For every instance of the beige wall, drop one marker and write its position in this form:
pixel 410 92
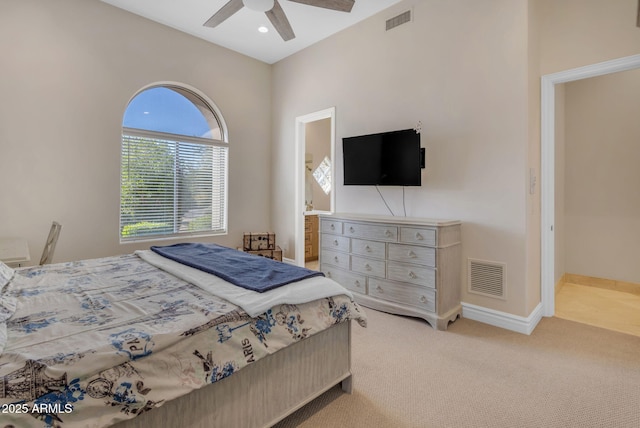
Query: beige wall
pixel 532 166
pixel 69 68
pixel 559 184
pixel 469 90
pixel 575 33
pixel 567 34
pixel 602 176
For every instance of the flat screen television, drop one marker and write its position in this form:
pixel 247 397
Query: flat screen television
pixel 384 159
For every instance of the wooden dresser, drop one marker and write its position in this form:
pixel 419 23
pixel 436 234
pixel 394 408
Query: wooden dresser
pixel 310 237
pixel 400 265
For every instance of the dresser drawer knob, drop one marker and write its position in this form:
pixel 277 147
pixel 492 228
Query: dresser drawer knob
pixel 411 254
pixel 336 259
pixel 332 227
pixel 423 299
pixel 335 242
pixel 328 274
pixel 357 283
pixel 351 229
pixel 367 266
pixel 388 233
pixel 379 289
pixel 419 236
pixel 367 248
pixel 412 275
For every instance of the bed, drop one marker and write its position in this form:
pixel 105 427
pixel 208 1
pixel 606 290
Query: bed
pixel 140 340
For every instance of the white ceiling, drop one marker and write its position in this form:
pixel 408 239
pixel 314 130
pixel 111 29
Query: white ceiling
pixel 240 31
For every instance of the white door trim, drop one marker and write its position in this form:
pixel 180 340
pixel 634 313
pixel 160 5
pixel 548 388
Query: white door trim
pixel 547 167
pixel 301 121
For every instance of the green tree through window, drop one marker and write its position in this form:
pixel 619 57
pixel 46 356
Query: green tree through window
pixel 174 166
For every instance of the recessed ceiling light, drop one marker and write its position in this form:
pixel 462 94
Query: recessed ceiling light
pixel 263 29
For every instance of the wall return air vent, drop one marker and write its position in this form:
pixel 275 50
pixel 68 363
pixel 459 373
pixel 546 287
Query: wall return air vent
pixel 403 18
pixel 487 278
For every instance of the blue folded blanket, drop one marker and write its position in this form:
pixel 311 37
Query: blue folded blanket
pixel 242 269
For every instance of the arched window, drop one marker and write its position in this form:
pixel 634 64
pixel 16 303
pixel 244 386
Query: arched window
pixel 173 180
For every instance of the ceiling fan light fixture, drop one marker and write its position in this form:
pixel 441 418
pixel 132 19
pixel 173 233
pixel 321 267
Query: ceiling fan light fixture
pixel 274 12
pixel 259 5
pixel 263 29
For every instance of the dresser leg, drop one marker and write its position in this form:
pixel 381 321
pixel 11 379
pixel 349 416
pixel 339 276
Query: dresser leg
pixel 443 322
pixel 347 384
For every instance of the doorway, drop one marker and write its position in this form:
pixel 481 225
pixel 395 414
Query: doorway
pixel 549 275
pixel 315 172
pixel 597 205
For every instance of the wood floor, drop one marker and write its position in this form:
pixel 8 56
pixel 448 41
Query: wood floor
pixel 313 265
pixel 599 306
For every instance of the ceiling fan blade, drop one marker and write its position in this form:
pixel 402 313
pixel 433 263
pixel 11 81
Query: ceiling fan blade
pixel 280 22
pixel 340 5
pixel 225 12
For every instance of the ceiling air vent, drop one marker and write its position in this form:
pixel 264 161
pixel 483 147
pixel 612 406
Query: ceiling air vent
pixel 403 18
pixel 487 278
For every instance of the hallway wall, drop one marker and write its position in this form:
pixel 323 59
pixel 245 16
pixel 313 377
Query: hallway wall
pixel 602 200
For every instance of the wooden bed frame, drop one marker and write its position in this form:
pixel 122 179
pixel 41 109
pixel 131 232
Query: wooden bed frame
pixel 264 392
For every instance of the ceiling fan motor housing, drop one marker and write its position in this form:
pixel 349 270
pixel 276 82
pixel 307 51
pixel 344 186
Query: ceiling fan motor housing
pixel 274 12
pixel 259 5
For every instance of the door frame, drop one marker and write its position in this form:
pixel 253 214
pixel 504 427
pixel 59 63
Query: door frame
pixel 301 121
pixel 547 163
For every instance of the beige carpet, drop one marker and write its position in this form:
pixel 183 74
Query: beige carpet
pixel 474 375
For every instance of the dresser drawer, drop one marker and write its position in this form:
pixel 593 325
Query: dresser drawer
pixel 368 266
pixel 420 236
pixel 349 280
pixel 334 242
pixel 378 232
pixel 420 297
pixel 411 273
pixel 335 258
pixel 331 226
pixel 368 248
pixel 412 254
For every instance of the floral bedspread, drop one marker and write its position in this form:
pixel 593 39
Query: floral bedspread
pixel 94 342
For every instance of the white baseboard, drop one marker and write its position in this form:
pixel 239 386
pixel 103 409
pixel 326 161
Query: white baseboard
pixel 289 261
pixel 524 325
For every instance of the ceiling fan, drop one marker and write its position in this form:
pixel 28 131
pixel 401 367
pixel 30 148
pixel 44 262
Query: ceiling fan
pixel 274 12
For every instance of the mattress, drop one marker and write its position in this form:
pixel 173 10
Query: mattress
pixel 94 342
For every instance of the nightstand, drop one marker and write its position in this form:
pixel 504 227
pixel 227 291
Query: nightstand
pixel 14 251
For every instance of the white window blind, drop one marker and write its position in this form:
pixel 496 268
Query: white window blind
pixel 172 185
